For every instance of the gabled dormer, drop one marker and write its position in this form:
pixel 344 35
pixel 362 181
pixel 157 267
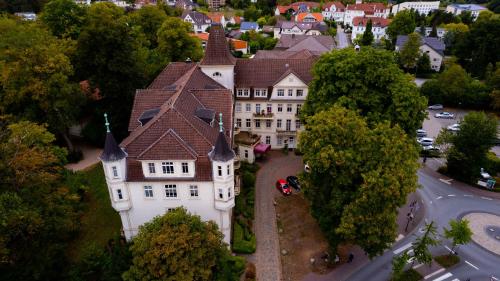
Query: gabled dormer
pixel 289 87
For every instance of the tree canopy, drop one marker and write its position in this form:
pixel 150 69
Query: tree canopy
pixel 175 43
pixel 176 246
pixel 370 82
pixel 469 146
pixel 357 172
pixel 410 53
pixel 459 232
pixel 402 24
pixel 64 18
pixel 367 37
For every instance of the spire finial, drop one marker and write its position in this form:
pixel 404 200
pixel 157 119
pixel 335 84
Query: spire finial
pixel 107 123
pixel 220 123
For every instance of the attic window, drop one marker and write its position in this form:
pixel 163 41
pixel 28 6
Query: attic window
pixel 217 74
pixel 147 115
pixel 205 114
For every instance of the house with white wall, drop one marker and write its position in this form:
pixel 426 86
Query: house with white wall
pixel 299 28
pixel 431 46
pixel 422 7
pixel 457 9
pixel 379 27
pixel 334 10
pixel 199 21
pixel 375 10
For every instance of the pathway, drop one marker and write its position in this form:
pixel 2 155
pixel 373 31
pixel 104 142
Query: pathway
pixel 267 257
pixel 342 41
pixel 90 157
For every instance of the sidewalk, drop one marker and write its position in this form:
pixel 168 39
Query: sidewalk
pixel 343 272
pixel 90 157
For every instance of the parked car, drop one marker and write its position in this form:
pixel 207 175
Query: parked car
pixel 283 187
pixel 425 141
pixel 454 128
pixel 445 115
pixel 421 133
pixel 430 148
pixel 435 107
pixel 293 181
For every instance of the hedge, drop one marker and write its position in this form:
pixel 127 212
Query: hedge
pixel 447 260
pixel 240 245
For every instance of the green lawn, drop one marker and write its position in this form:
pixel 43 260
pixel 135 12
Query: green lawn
pixel 99 222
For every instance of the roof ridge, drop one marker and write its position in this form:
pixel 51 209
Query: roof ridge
pixel 192 126
pixel 172 132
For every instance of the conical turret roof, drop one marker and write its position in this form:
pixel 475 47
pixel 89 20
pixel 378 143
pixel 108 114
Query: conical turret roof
pixel 217 51
pixel 222 152
pixel 112 152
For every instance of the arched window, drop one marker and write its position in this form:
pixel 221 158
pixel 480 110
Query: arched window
pixel 217 74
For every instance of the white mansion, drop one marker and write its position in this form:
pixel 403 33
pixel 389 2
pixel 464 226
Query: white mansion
pixel 180 148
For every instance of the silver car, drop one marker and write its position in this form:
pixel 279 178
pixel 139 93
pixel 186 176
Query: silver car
pixel 435 107
pixel 445 115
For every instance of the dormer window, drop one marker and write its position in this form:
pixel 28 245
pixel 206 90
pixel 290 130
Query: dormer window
pixel 151 167
pixel 260 93
pixel 243 93
pixel 217 74
pixel 168 167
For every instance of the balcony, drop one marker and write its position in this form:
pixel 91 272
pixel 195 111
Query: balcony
pixel 263 115
pixel 286 132
pixel 237 184
pixel 237 162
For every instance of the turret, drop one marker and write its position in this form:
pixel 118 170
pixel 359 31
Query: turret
pixel 114 160
pixel 222 157
pixel 218 62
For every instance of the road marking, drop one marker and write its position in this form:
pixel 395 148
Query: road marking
pixel 443 277
pixel 439 197
pixel 400 250
pixel 400 236
pixel 418 265
pixel 451 195
pixel 430 202
pixel 486 198
pixel 468 195
pixel 447 248
pixel 494 278
pixel 434 273
pixel 446 181
pixel 472 265
pixel 456 279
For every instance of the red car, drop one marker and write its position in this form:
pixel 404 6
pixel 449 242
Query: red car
pixel 283 187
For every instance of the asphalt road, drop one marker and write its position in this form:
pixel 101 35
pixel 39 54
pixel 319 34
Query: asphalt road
pixel 443 201
pixel 342 41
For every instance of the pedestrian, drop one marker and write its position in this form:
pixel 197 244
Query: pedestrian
pixel 425 158
pixel 351 257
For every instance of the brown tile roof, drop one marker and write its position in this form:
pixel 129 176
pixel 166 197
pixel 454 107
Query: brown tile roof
pixel 338 5
pixel 175 132
pixel 376 22
pixel 262 73
pixel 316 16
pixel 279 54
pixel 217 51
pixel 320 43
pixel 368 8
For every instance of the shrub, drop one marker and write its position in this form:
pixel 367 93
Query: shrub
pixel 230 269
pixel 248 180
pixel 447 260
pixel 493 163
pixel 250 273
pixel 409 275
pixel 240 245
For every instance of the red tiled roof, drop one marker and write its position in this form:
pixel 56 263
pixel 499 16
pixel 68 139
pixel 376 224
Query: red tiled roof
pixel 368 8
pixel 239 44
pixel 201 36
pixel 215 17
pixel 283 9
pixel 263 73
pixel 376 22
pixel 217 50
pixel 338 5
pixel 175 132
pixel 316 16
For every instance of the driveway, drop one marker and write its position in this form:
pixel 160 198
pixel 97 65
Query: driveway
pixel 342 41
pixel 276 165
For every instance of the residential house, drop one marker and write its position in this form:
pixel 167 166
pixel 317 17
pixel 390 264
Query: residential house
pixel 422 7
pixel 246 26
pixel 217 18
pixel 440 31
pixel 235 20
pixel 179 151
pixel 457 9
pixel 299 28
pixel 432 46
pixel 379 27
pixel 216 4
pixel 309 17
pixel 334 10
pixel 313 43
pixel 183 4
pixel 296 7
pixel 199 21
pixel 236 45
pixel 376 10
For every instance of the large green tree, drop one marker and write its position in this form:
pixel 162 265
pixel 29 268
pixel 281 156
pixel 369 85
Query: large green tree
pixel 410 53
pixel 469 146
pixel 177 246
pixel 421 245
pixel 148 20
pixel 402 24
pixel 37 212
pixel 175 43
pixel 64 18
pixel 359 177
pixel 109 56
pixel 35 77
pixel 478 47
pixel 369 81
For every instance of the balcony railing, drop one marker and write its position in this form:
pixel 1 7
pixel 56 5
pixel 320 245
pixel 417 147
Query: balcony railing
pixel 263 115
pixel 286 132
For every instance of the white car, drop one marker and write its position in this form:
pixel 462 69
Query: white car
pixel 454 128
pixel 435 107
pixel 421 133
pixel 425 141
pixel 445 115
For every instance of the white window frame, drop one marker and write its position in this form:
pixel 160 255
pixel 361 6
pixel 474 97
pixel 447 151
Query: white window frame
pixel 114 170
pixel 148 191
pixel 278 123
pixel 289 107
pixel 194 191
pixel 281 92
pixel 257 123
pixel 219 171
pixel 238 122
pixel 243 92
pixel 268 139
pixel 119 194
pixel 171 191
pixel 280 107
pixel 237 107
pixel 248 123
pixel 248 107
pixel 167 168
pixel 290 92
pixel 260 93
pixel 152 168
pixel 221 193
pixel 299 92
pixel 185 167
pixel 269 123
